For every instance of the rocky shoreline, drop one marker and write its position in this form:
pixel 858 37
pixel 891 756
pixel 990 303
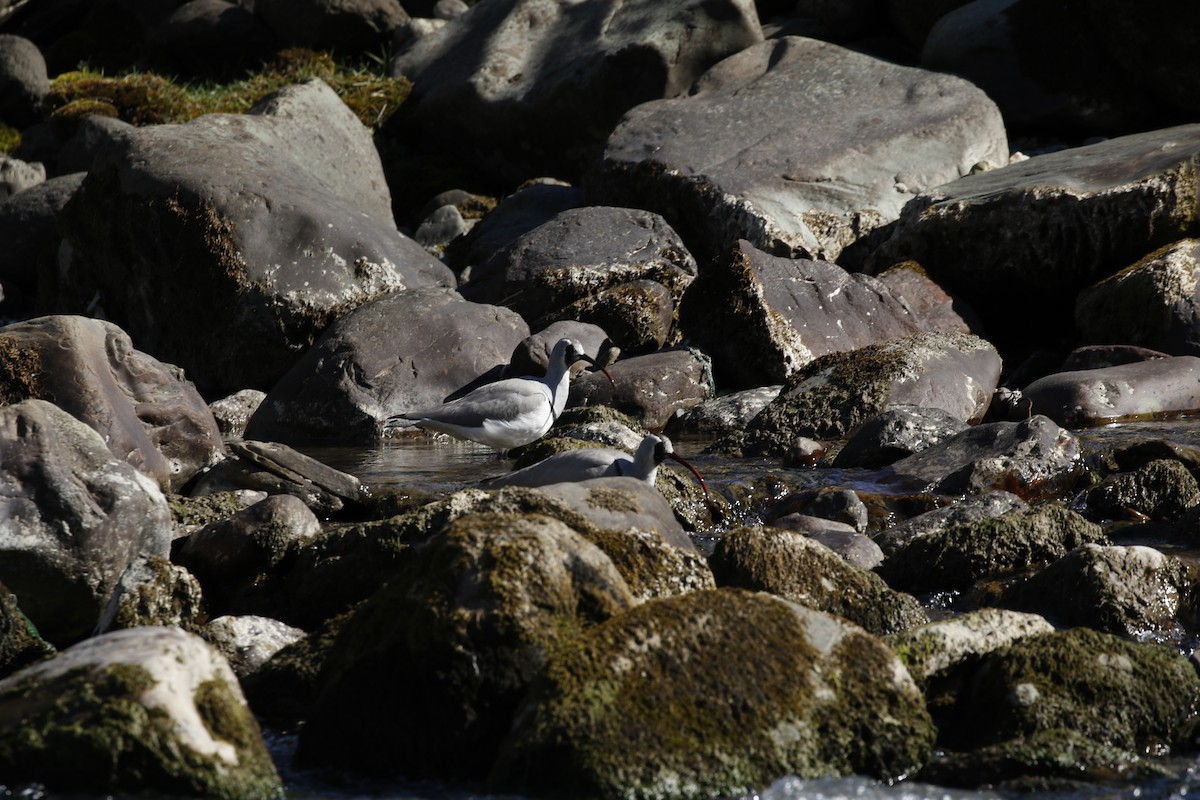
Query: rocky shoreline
pixel 803 230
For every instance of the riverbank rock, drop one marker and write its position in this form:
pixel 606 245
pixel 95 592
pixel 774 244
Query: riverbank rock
pixel 1033 234
pixel 617 714
pixel 1034 459
pixel 142 710
pixel 971 508
pixel 24 82
pixel 1140 390
pixel 762 317
pixel 958 556
pixel 518 68
pixel 724 414
pixel 1128 591
pixel 29 229
pixel 726 161
pixel 835 394
pixel 400 352
pixel 451 645
pixel 1162 287
pixel 1162 490
pixel 897 433
pixel 150 415
pixel 564 268
pixel 232 272
pixel 651 388
pixel 73 521
pixel 20 643
pixel 1111 691
pixel 793 566
pixel 248 642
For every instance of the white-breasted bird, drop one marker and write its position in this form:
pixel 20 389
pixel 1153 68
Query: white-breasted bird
pixel 509 412
pixel 598 462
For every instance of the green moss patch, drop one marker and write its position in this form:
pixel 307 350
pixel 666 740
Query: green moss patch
pixel 20 373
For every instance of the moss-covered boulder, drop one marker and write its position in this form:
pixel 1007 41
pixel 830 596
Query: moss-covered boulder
pixel 1161 490
pixel 140 710
pixel 1130 591
pixel 833 395
pixel 20 643
pixel 424 678
pixel 1115 692
pixel 958 556
pixel 794 566
pixel 711 694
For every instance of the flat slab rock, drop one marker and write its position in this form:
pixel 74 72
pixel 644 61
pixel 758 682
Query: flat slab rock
pixel 798 146
pixel 1143 389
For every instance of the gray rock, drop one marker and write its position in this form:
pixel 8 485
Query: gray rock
pixel 147 412
pixel 23 80
pixel 956 557
pixel 726 161
pixel 452 644
pixel 938 648
pixel 650 388
pixel 532 205
pixel 1034 459
pixel 638 315
pixel 575 256
pixel 518 68
pixel 897 433
pixel 834 395
pixel 971 508
pixel 934 308
pixel 210 38
pixel 73 521
pixel 762 317
pixel 1129 591
pixel 119 684
pixel 1162 490
pixel 16 176
pixel 276 468
pixel 1154 303
pixel 643 735
pixel 828 502
pixel 233 412
pixel 400 352
pixel 153 591
pixel 1042 65
pixel 228 243
pixel 349 27
pixel 441 227
pixel 1095 356
pixel 236 559
pixel 1033 234
pixel 248 642
pixel 1138 390
pixel 29 230
pixel 724 414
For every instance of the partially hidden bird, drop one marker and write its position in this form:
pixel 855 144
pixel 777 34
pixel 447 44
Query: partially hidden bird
pixel 510 412
pixel 598 462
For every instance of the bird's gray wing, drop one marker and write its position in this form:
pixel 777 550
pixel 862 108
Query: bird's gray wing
pixel 500 400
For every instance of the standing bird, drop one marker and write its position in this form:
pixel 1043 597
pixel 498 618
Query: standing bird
pixel 510 412
pixel 598 462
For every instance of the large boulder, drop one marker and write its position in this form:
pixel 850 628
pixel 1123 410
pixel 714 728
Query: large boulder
pixel 762 317
pixel 401 352
pixel 448 649
pixel 714 693
pixel 835 394
pixel 145 710
pixel 228 243
pixel 651 388
pixel 727 161
pixel 72 518
pixel 1138 390
pixel 149 414
pixel 29 229
pixel 1030 236
pixel 543 83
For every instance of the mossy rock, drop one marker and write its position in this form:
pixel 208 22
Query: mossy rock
pixel 1161 490
pixel 712 694
pixel 199 511
pixel 960 555
pixel 21 376
pixel 797 568
pixel 143 710
pixel 1117 693
pixel 424 677
pixel 20 643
